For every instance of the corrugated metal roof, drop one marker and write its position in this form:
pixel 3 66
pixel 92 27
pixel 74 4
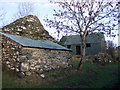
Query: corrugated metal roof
pixel 91 38
pixel 35 43
pixel 74 39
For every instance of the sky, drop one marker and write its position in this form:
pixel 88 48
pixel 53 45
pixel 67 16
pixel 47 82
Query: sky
pixel 42 9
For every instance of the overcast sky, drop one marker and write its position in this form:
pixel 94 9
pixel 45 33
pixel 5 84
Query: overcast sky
pixel 43 8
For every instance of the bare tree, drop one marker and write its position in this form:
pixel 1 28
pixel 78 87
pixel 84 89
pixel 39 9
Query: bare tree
pixel 110 48
pixel 24 9
pixel 84 17
pixel 2 16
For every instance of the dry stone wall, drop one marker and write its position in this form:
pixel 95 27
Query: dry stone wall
pixel 39 60
pixel 10 54
pixel 30 27
pixel 27 61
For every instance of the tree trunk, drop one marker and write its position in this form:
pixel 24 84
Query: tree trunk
pixel 83 56
pixel 80 65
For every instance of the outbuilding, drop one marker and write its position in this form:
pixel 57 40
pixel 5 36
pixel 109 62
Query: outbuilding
pixel 95 43
pixel 29 56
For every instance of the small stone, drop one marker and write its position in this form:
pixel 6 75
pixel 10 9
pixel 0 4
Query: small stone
pixel 9 66
pixel 32 65
pixel 42 75
pixel 24 27
pixel 17 70
pixel 12 68
pixel 24 66
pixel 28 73
pixel 37 66
pixel 44 61
pixel 41 70
pixel 45 66
pixel 19 29
pixel 21 74
pixel 39 61
pixel 63 62
pixel 32 68
pixel 7 62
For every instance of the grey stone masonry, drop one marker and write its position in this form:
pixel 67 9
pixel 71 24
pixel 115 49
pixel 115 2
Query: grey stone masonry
pixel 30 27
pixel 28 60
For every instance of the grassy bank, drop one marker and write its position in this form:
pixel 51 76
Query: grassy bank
pixel 92 76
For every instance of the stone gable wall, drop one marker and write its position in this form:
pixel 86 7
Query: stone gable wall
pixel 30 27
pixel 27 61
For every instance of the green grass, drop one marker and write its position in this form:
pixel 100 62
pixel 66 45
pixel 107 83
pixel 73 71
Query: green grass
pixel 91 76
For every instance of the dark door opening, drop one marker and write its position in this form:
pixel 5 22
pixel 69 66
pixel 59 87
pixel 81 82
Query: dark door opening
pixel 69 46
pixel 88 45
pixel 78 50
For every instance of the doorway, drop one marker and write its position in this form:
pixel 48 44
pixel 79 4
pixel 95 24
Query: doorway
pixel 78 50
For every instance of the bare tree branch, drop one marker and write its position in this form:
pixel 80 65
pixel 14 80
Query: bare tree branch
pixel 24 9
pixel 84 17
pixel 2 16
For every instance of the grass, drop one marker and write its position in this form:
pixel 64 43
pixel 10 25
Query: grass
pixel 91 76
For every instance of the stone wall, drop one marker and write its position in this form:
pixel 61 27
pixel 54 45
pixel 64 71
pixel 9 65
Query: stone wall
pixel 27 61
pixel 10 54
pixel 38 60
pixel 30 27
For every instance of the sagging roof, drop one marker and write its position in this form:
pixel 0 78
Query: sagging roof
pixel 46 44
pixel 75 39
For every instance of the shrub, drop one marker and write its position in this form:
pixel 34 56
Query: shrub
pixel 102 58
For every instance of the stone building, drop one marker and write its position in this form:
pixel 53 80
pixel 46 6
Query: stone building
pixel 27 56
pixel 95 43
